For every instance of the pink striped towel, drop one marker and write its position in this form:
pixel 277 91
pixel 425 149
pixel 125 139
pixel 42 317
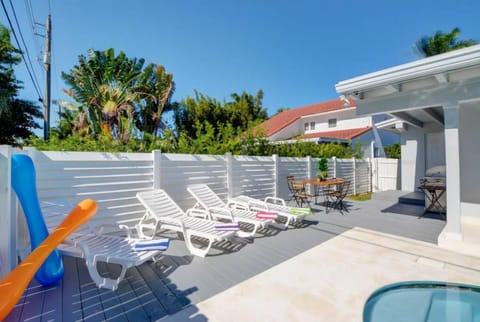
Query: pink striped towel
pixel 267 215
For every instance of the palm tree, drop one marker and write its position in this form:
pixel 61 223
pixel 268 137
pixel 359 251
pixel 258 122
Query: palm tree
pixel 442 43
pixel 115 102
pixel 116 94
pixel 156 88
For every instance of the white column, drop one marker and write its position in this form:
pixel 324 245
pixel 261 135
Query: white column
pixel 453 229
pixel 229 165
pixel 276 179
pixel 157 157
pixel 8 227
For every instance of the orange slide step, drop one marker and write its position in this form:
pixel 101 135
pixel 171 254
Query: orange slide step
pixel 13 285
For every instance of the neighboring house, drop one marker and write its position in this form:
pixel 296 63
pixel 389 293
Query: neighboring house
pixel 436 102
pixel 331 121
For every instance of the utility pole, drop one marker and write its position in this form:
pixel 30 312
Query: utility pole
pixel 46 64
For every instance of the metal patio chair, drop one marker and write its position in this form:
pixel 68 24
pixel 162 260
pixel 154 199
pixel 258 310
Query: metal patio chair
pixel 336 197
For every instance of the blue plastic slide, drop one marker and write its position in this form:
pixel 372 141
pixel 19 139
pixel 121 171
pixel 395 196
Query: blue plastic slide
pixel 24 184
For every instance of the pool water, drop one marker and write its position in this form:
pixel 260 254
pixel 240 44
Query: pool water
pixel 424 301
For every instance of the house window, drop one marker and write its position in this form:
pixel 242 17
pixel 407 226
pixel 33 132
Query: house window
pixel 306 127
pixel 332 122
pixel 312 125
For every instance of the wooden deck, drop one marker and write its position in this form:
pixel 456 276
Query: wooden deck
pixel 156 290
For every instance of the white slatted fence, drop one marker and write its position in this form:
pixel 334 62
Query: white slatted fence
pixel 113 179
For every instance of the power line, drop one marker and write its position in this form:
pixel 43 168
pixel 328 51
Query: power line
pixel 28 6
pixel 29 10
pixel 23 41
pixel 21 52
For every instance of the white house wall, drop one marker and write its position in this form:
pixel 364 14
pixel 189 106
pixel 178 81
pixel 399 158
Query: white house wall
pixel 413 158
pixel 413 149
pixel 469 119
pixel 296 128
pixel 345 120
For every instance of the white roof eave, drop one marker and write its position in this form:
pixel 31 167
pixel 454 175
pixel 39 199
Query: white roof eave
pixel 454 60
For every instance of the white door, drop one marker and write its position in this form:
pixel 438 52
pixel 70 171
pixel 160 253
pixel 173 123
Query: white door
pixel 435 149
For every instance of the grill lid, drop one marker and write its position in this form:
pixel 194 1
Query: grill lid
pixel 438 171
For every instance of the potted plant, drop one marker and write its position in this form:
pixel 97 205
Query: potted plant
pixel 322 168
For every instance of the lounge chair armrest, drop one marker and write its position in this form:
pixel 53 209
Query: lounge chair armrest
pixel 232 203
pixel 255 203
pixel 198 213
pixel 219 210
pixel 275 200
pixel 128 230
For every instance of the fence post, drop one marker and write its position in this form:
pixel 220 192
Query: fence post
pixel 157 157
pixel 309 166
pixel 229 165
pixel 373 175
pixel 334 160
pixel 276 171
pixel 354 166
pixel 8 227
pixel 309 170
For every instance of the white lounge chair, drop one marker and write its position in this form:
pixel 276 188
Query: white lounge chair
pixel 218 210
pixel 164 213
pixel 95 247
pixel 108 249
pixel 292 215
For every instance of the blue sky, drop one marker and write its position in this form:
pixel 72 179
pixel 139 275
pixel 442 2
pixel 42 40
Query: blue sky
pixel 295 51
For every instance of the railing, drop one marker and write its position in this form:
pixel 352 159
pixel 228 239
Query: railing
pixel 113 179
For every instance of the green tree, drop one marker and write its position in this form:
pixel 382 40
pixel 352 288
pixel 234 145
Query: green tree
pixel 156 87
pixel 115 96
pixel 442 42
pixel 246 110
pixel 241 113
pixel 9 57
pixel 17 116
pixel 393 151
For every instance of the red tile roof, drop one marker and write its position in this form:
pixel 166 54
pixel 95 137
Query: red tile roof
pixel 339 134
pixel 283 119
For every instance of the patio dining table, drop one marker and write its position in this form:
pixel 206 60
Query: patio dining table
pixel 320 187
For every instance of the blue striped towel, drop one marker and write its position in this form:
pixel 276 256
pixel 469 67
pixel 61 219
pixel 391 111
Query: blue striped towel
pixel 152 244
pixel 227 226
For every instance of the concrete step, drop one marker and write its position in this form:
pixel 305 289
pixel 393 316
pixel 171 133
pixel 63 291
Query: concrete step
pixel 470 240
pixel 390 195
pixel 413 198
pixel 470 229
